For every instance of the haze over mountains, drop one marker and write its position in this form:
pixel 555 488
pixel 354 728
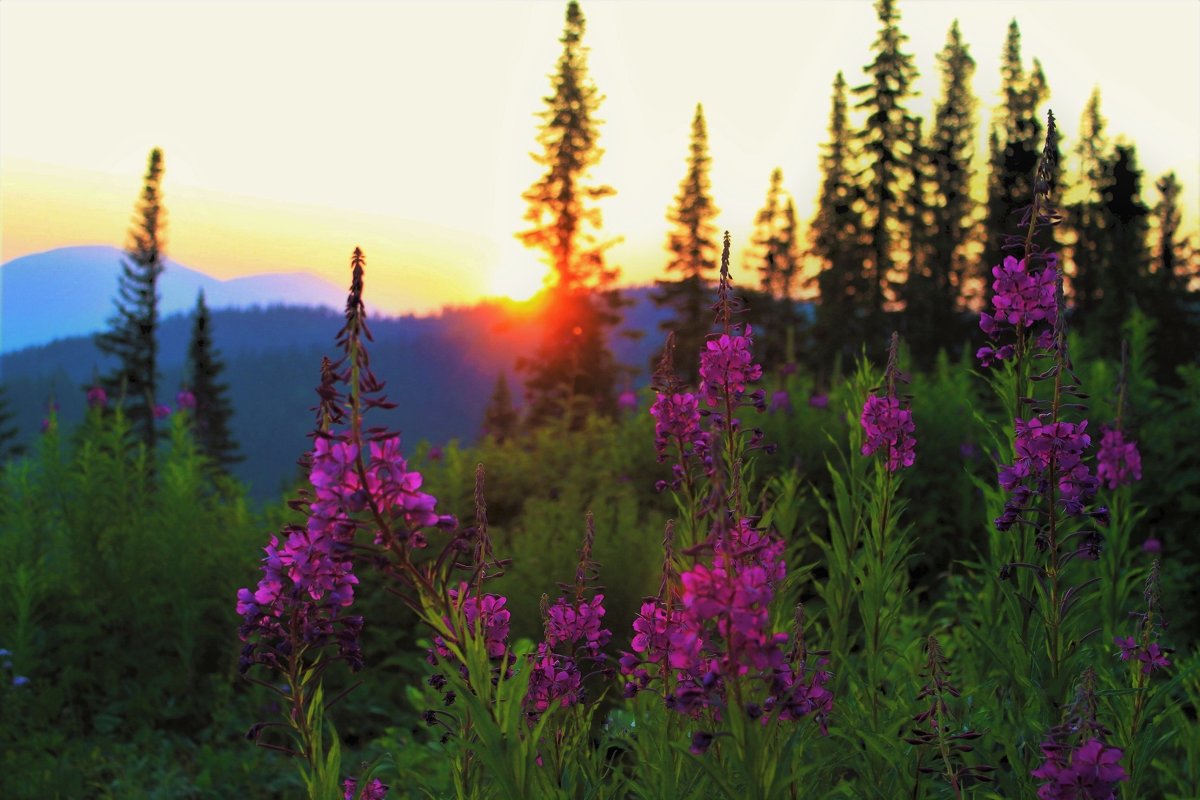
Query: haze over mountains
pixel 69 291
pixel 440 369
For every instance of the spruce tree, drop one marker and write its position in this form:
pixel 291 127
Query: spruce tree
pixel 133 329
pixel 886 147
pixel 1015 147
pixel 942 239
pixel 1086 213
pixel 1171 302
pixel 8 433
pixel 772 252
pixel 773 255
pixel 836 239
pixel 573 372
pixel 1124 279
pixel 213 409
pixel 500 418
pixel 692 244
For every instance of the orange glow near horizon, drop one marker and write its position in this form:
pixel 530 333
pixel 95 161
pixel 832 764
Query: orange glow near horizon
pixel 398 128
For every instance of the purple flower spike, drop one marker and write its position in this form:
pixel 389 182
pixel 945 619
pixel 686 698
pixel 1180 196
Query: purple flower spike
pixel 889 425
pixel 1118 463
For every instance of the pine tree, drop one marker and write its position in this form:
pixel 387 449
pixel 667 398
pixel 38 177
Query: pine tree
pixel 692 244
pixel 773 255
pixel 1172 302
pixel 500 418
pixel 8 434
pixel 886 146
pixel 948 221
pixel 773 244
pixel 1170 250
pixel 1124 279
pixel 573 372
pixel 836 239
pixel 131 337
pixel 1086 214
pixel 213 410
pixel 1015 147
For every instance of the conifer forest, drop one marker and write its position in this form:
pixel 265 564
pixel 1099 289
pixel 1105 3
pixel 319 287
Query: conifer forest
pixel 901 503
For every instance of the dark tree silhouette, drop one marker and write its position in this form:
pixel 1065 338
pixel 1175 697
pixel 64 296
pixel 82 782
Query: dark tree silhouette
pixel 1173 301
pixel 131 337
pixel 947 214
pixel 1015 146
pixel 692 244
pixel 500 418
pixel 836 240
pixel 213 411
pixel 887 145
pixel 1087 217
pixel 8 433
pixel 574 371
pixel 773 255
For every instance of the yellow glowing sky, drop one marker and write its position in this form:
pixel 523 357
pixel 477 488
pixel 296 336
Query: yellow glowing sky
pixel 294 131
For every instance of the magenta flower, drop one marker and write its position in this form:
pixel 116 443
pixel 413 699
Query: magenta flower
pixel 162 411
pixel 97 397
pixel 375 790
pixel 819 401
pixel 726 366
pixel 1021 298
pixel 627 401
pixel 887 424
pixel 1090 772
pixel 1152 545
pixel 677 427
pixel 1118 462
pixel 185 399
pixel 1040 444
pixel 781 401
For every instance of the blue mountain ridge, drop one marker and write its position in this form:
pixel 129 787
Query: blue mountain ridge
pixel 68 292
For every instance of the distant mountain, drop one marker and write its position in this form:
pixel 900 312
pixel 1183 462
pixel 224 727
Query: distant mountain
pixel 69 292
pixel 440 371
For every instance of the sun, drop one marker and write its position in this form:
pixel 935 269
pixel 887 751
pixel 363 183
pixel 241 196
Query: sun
pixel 518 278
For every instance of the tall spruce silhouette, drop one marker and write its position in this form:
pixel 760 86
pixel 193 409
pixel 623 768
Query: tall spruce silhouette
pixel 8 432
pixel 1086 212
pixel 693 248
pixel 947 221
pixel 1171 301
pixel 1015 145
pixel 836 240
pixel 1124 279
pixel 887 147
pixel 573 372
pixel 213 410
pixel 132 333
pixel 773 254
pixel 500 418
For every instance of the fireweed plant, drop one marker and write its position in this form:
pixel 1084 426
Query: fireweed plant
pixel 705 658
pixel 717 688
pixel 1049 529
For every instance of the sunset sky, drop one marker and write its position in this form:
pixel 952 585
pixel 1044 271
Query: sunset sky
pixel 293 132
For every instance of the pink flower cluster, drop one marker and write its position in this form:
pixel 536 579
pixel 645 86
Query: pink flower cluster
pixel 375 790
pixel 1021 298
pixel 1040 444
pixel 1118 462
pixel 720 630
pixel 677 420
pixel 1152 656
pixel 309 576
pixel 573 636
pixel 887 424
pixel 726 366
pixel 1089 772
pixel 487 611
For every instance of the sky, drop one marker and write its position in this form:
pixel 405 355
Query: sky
pixel 295 131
